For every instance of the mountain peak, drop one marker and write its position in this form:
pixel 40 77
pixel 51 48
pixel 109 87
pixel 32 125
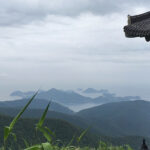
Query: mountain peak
pixel 53 90
pixel 120 118
pixel 90 90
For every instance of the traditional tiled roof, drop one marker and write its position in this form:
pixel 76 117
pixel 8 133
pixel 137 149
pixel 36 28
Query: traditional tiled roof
pixel 138 26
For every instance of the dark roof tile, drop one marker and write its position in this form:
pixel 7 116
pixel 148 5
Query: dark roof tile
pixel 138 26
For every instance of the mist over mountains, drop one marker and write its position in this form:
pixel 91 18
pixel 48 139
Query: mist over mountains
pixel 76 100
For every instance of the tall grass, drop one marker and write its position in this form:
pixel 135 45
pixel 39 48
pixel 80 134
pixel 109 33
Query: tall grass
pixel 48 134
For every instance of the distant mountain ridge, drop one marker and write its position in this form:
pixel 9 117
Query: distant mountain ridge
pixel 22 94
pixel 70 98
pixel 59 96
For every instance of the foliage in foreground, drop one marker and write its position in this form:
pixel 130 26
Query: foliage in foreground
pixel 48 134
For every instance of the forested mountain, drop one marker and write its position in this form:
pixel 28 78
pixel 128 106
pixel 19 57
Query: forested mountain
pixel 128 118
pixel 25 130
pixel 36 113
pixel 109 98
pixel 36 104
pixel 120 118
pixel 64 131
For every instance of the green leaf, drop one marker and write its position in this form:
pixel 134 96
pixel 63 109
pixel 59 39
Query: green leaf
pixel 6 132
pixel 47 146
pixel 35 147
pixel 45 133
pixel 41 121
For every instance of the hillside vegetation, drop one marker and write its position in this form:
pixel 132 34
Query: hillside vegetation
pixel 129 118
pixel 64 131
pixel 46 132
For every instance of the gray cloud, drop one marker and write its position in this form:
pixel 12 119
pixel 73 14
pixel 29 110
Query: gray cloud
pixel 17 12
pixel 70 44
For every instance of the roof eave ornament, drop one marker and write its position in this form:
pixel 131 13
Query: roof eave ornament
pixel 129 20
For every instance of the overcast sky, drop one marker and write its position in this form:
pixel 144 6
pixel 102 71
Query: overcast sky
pixel 68 44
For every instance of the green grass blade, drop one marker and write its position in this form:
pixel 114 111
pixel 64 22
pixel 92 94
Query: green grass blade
pixel 26 143
pixel 14 136
pixel 44 130
pixel 41 121
pixel 50 132
pixel 22 111
pixel 7 130
pixel 82 134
